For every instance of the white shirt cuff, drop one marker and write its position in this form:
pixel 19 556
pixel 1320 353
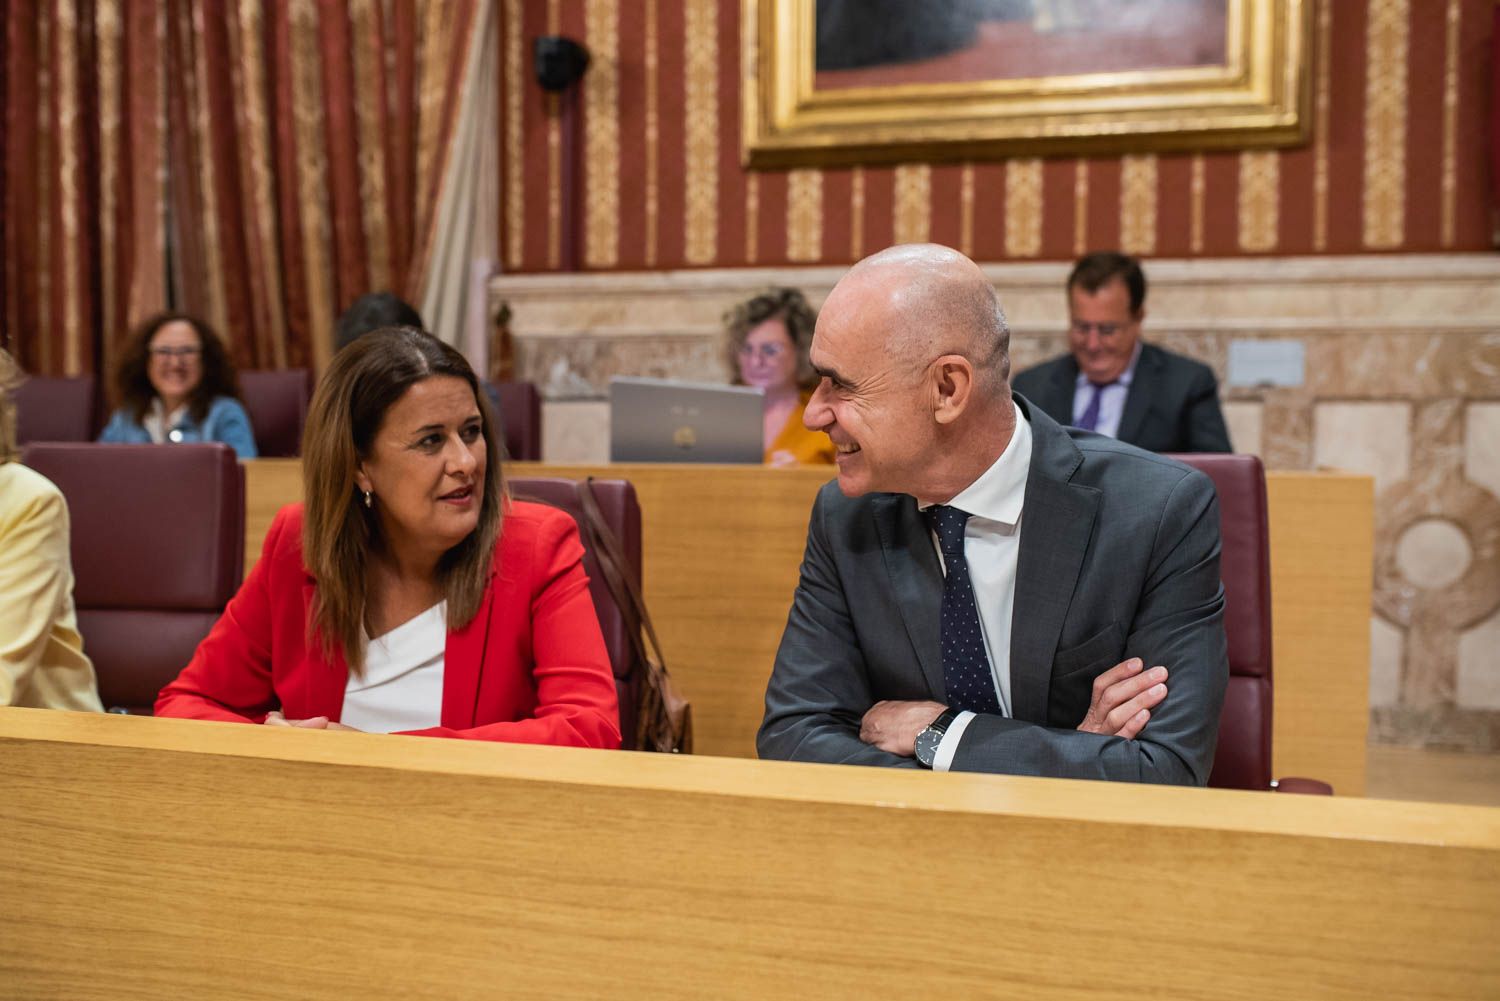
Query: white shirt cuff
pixel 948 746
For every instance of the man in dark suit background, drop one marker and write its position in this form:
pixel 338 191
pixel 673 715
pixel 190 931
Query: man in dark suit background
pixel 983 589
pixel 1114 383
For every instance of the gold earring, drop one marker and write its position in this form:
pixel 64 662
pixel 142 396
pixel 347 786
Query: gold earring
pixel 368 500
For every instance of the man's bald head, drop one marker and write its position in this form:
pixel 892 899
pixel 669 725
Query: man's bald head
pixel 929 300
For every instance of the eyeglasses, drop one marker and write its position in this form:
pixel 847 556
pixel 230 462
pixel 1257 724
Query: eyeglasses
pixel 184 353
pixel 767 352
pixel 1102 329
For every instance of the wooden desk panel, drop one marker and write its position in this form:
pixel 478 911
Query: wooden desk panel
pixel 155 858
pixel 722 545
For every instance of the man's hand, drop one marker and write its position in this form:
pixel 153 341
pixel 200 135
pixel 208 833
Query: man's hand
pixel 893 726
pixel 1123 699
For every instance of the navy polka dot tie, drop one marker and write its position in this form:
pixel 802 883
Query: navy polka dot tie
pixel 966 663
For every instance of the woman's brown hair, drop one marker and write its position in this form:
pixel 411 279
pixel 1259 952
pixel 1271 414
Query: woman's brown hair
pixel 785 304
pixel 364 380
pixel 133 389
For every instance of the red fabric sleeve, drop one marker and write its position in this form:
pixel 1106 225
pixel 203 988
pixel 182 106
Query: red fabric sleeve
pixel 229 677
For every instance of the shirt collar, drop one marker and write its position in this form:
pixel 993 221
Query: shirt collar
pixel 998 493
pixel 1126 377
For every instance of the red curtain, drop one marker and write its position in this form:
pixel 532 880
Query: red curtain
pixel 257 164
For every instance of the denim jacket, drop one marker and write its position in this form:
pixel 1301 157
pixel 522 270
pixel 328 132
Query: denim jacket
pixel 226 421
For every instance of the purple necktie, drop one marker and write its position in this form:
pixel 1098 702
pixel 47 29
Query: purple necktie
pixel 1090 419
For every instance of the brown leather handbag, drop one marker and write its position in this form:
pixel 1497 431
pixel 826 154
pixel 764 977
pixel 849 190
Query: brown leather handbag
pixel 664 718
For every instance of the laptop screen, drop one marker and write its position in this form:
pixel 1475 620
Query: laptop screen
pixel 659 420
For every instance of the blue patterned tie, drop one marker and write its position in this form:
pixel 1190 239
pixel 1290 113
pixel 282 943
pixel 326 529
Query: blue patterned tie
pixel 1089 421
pixel 967 676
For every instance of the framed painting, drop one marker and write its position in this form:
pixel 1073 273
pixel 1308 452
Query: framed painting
pixel 850 81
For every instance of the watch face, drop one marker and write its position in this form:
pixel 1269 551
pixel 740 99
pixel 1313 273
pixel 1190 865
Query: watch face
pixel 927 745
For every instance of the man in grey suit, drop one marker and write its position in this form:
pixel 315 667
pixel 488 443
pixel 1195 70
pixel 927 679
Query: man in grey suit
pixel 1112 382
pixel 983 589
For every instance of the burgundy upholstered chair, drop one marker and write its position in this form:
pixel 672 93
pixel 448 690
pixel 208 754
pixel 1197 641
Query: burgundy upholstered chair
pixel 158 545
pixel 277 404
pixel 1243 757
pixel 519 407
pixel 50 409
pixel 618 504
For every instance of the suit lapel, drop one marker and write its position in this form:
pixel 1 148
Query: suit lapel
pixel 1057 524
pixel 917 579
pixel 1143 387
pixel 463 665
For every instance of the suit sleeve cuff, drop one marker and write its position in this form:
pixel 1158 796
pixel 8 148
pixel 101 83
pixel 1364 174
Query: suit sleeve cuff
pixel 948 746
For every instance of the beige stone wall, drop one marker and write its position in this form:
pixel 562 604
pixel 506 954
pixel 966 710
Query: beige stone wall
pixel 1402 382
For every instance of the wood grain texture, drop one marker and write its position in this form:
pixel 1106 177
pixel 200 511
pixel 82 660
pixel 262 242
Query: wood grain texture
pixel 1322 571
pixel 190 859
pixel 722 546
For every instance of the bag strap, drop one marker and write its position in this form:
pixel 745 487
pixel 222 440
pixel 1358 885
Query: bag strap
pixel 622 586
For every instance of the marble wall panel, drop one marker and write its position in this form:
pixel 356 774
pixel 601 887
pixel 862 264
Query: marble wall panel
pixel 1244 419
pixel 1479 666
pixel 1371 438
pixel 1482 446
pixel 575 431
pixel 1387 647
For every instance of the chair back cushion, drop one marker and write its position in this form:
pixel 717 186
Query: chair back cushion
pixel 1243 757
pixel 277 404
pixel 55 409
pixel 618 503
pixel 519 407
pixel 158 545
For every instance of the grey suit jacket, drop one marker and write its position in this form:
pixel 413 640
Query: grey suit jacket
pixel 1172 406
pixel 1119 557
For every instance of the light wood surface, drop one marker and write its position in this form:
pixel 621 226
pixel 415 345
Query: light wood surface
pixel 722 546
pixel 152 858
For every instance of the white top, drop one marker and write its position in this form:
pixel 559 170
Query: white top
pixel 159 424
pixel 402 684
pixel 1111 397
pixel 992 545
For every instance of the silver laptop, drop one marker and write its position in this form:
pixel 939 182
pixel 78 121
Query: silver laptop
pixel 658 420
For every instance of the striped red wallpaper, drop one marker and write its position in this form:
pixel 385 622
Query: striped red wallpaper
pixel 1397 161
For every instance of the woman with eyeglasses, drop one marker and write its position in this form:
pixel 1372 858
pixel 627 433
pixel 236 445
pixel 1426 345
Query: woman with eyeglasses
pixel 408 594
pixel 175 383
pixel 766 345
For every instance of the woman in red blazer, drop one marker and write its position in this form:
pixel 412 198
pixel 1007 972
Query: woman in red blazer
pixel 409 594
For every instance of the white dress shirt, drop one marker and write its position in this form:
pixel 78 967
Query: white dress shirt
pixel 1111 397
pixel 401 687
pixel 992 544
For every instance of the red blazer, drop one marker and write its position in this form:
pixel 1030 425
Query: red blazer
pixel 530 668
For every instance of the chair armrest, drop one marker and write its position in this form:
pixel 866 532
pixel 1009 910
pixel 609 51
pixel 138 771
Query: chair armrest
pixel 1305 787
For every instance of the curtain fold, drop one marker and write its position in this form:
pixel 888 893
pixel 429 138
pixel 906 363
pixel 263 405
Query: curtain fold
pixel 260 165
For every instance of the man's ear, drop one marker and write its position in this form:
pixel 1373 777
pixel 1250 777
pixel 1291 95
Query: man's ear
pixel 953 378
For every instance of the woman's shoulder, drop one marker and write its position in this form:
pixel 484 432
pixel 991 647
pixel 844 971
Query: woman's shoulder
pixel 531 519
pixel 24 489
pixel 223 405
pixel 284 537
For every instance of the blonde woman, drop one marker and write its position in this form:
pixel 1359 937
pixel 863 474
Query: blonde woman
pixel 42 664
pixel 409 595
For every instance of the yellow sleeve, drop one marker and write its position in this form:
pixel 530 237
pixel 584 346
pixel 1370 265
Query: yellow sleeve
pixel 36 581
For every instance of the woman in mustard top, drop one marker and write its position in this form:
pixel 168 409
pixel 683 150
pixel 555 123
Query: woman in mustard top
pixel 767 341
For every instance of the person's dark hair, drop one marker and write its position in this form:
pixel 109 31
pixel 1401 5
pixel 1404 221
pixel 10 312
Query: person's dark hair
pixel 133 389
pixel 372 311
pixel 1093 272
pixel 789 306
pixel 361 384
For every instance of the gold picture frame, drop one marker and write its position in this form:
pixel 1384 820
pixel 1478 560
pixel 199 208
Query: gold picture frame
pixel 1258 96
